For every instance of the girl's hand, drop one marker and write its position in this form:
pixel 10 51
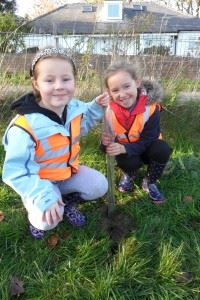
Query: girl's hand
pixel 103 99
pixel 106 139
pixel 115 149
pixel 53 215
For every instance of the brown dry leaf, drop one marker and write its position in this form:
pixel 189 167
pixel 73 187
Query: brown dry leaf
pixel 187 198
pixel 16 287
pixel 52 240
pixel 1 216
pixel 65 235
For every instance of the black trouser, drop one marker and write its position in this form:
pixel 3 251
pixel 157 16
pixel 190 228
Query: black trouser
pixel 155 156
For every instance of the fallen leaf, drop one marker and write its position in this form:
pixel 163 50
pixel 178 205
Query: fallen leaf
pixel 52 240
pixel 16 287
pixel 1 216
pixel 65 235
pixel 185 277
pixel 187 198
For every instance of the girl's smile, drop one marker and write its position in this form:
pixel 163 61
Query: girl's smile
pixel 123 88
pixel 55 83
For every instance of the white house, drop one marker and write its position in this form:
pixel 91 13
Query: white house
pixel 114 27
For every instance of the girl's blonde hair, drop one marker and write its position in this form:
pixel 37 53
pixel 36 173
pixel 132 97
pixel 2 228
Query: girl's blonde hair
pixel 131 69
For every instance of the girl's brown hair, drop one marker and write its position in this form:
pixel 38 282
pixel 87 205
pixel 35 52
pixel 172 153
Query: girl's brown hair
pixel 131 69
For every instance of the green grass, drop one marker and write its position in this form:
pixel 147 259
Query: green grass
pixel 147 263
pixel 180 84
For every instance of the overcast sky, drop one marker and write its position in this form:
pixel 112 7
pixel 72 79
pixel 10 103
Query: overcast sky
pixel 23 6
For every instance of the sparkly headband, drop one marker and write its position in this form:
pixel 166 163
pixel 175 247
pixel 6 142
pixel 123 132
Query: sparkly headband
pixel 47 52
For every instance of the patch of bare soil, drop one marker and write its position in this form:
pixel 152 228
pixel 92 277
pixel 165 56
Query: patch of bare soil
pixel 118 225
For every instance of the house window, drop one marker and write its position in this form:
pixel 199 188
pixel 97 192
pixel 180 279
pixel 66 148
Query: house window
pixel 113 10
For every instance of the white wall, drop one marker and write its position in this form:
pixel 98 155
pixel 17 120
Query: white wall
pixel 186 44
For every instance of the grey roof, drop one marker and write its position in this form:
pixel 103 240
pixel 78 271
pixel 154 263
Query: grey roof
pixel 71 19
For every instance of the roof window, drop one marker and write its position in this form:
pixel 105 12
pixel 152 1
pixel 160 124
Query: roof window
pixel 113 10
pixel 87 8
pixel 138 7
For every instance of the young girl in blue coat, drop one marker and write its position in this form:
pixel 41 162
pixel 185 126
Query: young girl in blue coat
pixel 42 145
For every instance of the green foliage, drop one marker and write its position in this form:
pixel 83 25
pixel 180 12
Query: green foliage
pixel 11 29
pixel 181 84
pixel 8 22
pixel 172 87
pixel 16 78
pixel 182 123
pixel 13 85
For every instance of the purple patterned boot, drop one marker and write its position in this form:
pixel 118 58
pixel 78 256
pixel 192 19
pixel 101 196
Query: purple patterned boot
pixel 36 233
pixel 74 216
pixel 71 213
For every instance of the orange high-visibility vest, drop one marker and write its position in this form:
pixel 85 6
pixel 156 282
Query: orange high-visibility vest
pixel 133 135
pixel 57 155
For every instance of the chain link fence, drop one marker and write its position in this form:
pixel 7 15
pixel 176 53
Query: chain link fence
pixel 157 57
pixel 184 44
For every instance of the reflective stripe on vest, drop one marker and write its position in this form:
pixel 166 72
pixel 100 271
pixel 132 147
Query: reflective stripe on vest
pixel 138 124
pixel 57 155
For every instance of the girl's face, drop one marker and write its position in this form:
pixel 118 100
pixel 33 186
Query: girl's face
pixel 123 88
pixel 55 82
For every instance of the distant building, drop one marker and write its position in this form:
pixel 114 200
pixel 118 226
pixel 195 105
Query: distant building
pixel 127 29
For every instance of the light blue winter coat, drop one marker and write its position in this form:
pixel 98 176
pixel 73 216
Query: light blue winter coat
pixel 20 171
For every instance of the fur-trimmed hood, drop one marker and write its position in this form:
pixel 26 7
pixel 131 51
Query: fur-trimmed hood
pixel 153 90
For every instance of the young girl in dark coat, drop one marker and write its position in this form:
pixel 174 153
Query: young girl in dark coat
pixel 134 116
